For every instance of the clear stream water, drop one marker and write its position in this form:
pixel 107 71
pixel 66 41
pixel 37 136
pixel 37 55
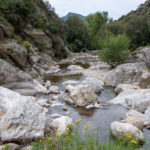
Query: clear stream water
pixel 97 119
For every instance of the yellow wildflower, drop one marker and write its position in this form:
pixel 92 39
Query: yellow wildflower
pixel 128 135
pixel 57 134
pixel 43 138
pixel 134 142
pixel 68 138
pixel 72 134
pixel 78 132
pixel 86 126
pixel 50 138
pixel 78 121
pixel 40 141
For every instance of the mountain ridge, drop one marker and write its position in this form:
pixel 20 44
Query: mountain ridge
pixel 72 14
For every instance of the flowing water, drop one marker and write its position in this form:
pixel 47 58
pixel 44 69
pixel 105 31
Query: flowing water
pixel 96 119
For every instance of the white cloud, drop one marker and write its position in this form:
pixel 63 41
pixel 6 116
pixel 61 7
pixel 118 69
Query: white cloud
pixel 116 8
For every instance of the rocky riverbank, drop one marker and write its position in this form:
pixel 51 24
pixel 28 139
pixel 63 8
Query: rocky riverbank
pixel 70 89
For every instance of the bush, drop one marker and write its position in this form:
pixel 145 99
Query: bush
pixel 27 45
pixel 42 46
pixel 114 48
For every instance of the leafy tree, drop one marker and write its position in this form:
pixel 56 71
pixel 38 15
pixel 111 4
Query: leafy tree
pixel 76 33
pixel 114 48
pixel 95 22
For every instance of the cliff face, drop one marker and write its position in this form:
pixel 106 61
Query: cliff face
pixel 29 43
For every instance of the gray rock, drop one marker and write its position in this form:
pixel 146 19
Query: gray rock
pixel 128 74
pixel 124 87
pixel 24 120
pixel 119 130
pixel 54 90
pixel 60 123
pixel 18 54
pixel 147 114
pixel 83 95
pixel 27 148
pixel 10 146
pixel 135 99
pixel 140 116
pixel 95 83
pixel 74 67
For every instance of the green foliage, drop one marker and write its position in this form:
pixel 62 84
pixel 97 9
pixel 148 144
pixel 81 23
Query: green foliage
pixel 42 46
pixel 27 45
pixel 7 147
pixel 95 22
pixel 73 140
pixel 114 48
pixel 76 33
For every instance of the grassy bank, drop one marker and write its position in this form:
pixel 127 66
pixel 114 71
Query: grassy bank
pixel 72 140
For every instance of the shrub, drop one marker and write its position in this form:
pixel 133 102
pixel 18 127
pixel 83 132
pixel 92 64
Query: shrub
pixel 114 48
pixel 42 46
pixel 27 45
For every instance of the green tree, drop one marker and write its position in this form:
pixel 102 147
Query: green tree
pixel 114 48
pixel 76 33
pixel 95 22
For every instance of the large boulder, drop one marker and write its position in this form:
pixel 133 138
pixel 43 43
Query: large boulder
pixel 15 79
pixel 135 99
pixel 142 55
pixel 128 74
pixel 95 83
pixel 122 130
pixel 140 116
pixel 40 39
pixel 147 114
pixel 134 121
pixel 59 49
pixel 124 87
pixel 24 120
pixel 18 54
pixel 60 123
pixel 83 95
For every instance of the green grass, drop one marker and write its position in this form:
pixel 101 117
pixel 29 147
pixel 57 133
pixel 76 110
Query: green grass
pixel 72 140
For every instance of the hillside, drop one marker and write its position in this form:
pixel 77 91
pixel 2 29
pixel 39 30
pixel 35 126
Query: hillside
pixel 73 14
pixel 30 42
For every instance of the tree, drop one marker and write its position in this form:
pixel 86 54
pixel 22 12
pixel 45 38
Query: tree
pixel 76 33
pixel 95 22
pixel 114 48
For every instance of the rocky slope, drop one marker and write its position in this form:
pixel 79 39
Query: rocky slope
pixel 30 53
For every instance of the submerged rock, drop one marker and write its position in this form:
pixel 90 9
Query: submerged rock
pixel 23 119
pixel 122 130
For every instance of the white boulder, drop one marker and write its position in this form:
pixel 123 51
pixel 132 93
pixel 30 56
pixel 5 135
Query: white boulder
pixel 135 99
pixel 119 130
pixel 60 123
pixel 24 120
pixel 95 83
pixel 83 95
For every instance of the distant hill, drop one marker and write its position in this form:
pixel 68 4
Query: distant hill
pixel 73 14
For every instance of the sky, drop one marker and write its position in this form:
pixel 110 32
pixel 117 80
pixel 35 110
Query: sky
pixel 115 8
